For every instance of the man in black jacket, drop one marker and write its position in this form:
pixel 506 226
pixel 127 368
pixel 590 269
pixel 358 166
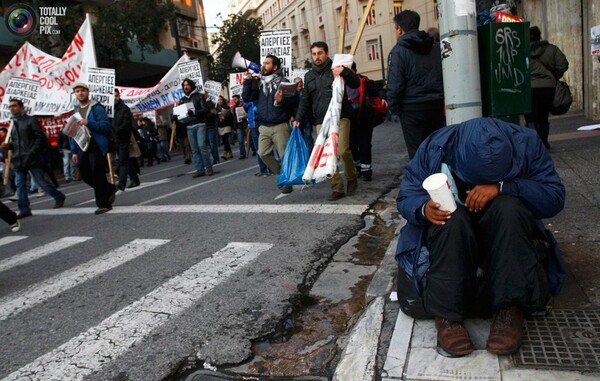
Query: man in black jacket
pixel 274 112
pixel 196 128
pixel 415 92
pixel 28 142
pixel 315 97
pixel 123 125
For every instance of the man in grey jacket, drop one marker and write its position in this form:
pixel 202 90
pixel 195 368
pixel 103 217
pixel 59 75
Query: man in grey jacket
pixel 548 64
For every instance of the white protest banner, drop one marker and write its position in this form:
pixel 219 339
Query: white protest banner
pixel 191 70
pixel 277 42
pixel 56 75
pixel 323 158
pixel 213 89
pixel 161 95
pixel 236 84
pixel 23 89
pixel 102 88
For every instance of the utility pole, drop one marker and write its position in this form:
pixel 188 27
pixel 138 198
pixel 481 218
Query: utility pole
pixel 460 60
pixel 344 17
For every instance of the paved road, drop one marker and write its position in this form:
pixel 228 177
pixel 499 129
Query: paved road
pixel 180 268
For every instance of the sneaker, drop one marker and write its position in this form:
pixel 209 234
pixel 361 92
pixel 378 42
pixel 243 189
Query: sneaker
pixel 13 197
pixel 198 174
pixel 23 215
pixel 286 189
pixel 261 174
pixel 209 171
pixel 103 210
pixel 15 227
pixel 40 194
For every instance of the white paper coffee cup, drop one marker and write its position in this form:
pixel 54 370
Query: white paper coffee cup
pixel 439 190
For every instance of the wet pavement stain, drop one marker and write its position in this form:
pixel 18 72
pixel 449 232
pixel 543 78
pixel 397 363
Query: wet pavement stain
pixel 307 343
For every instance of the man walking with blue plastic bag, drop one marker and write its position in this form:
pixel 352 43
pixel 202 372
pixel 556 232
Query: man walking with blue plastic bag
pixel 274 111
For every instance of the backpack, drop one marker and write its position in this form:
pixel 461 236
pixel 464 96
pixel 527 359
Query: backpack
pixel 373 106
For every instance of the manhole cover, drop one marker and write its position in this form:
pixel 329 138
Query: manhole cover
pixel 565 339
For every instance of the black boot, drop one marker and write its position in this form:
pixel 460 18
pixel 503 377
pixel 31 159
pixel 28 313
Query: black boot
pixel 367 174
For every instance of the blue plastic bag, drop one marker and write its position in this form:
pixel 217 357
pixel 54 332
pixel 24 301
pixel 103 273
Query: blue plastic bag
pixel 294 161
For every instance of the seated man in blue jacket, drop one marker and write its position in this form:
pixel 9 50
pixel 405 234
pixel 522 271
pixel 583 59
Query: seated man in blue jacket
pixel 504 182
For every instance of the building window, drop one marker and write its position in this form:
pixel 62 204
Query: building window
pixel 371 16
pixel 323 36
pixel 398 6
pixel 293 22
pixel 320 3
pixel 303 16
pixel 373 50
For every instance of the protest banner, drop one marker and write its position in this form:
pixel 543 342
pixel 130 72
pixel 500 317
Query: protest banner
pixel 56 75
pixel 193 71
pixel 213 89
pixel 23 89
pixel 323 158
pixel 236 84
pixel 595 40
pixel 102 88
pixel 277 42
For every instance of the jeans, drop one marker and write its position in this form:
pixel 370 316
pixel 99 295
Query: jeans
pixel 214 143
pixel 199 144
pixel 241 135
pixel 164 150
pixel 261 164
pixel 68 165
pixel 37 173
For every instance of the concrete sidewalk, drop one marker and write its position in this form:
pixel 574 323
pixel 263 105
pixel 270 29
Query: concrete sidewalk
pixel 564 345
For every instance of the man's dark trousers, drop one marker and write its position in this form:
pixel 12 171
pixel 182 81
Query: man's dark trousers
pixel 419 121
pixel 92 168
pixel 500 240
pixel 125 167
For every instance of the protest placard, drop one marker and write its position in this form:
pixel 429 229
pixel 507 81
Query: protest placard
pixel 24 89
pixel 79 132
pixel 595 40
pixel 191 70
pixel 236 84
pixel 298 73
pixel 102 87
pixel 278 43
pixel 213 89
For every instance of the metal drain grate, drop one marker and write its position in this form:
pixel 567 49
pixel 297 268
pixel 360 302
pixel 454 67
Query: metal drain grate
pixel 565 339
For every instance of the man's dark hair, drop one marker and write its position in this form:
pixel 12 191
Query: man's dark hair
pixel 19 102
pixel 236 96
pixel 535 34
pixel 275 60
pixel 408 20
pixel 117 91
pixel 320 44
pixel 190 82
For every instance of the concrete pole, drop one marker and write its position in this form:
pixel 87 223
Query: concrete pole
pixel 460 60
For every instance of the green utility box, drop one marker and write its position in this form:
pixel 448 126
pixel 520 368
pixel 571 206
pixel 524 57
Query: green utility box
pixel 504 68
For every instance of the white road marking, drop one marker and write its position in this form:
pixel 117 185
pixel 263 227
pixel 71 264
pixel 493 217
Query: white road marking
pixel 10 239
pixel 128 190
pixel 113 337
pixel 35 294
pixel 39 252
pixel 352 209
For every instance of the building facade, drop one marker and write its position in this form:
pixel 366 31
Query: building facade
pixel 561 22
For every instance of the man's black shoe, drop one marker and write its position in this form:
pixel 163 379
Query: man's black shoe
pixel 132 184
pixel 336 196
pixel 242 157
pixel 198 174
pixel 59 203
pixel 103 210
pixel 23 215
pixel 286 189
pixel 188 161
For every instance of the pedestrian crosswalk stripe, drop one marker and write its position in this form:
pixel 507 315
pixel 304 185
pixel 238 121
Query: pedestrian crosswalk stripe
pixel 352 209
pixel 88 352
pixel 40 252
pixel 35 294
pixel 11 239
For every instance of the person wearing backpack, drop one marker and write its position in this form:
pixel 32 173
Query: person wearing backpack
pixel 92 163
pixel 548 64
pixel 370 106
